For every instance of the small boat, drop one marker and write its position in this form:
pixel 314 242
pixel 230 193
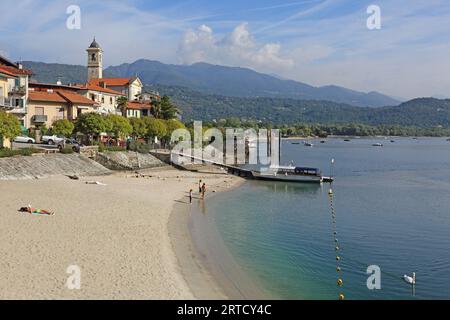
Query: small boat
pixel 323 141
pixel 308 144
pixel 377 145
pixel 295 142
pixel 291 174
pixel 392 141
pixel 347 140
pixel 448 139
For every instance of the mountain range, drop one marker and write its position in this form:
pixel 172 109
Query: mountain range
pixel 195 105
pixel 207 92
pixel 214 79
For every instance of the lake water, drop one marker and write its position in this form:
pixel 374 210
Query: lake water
pixel 392 210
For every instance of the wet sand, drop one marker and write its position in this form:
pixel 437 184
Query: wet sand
pixel 206 263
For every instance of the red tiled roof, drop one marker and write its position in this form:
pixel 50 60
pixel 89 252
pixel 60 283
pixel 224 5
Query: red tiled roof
pixel 14 71
pixel 60 97
pixel 95 87
pixel 75 98
pixel 112 82
pixel 45 96
pixel 134 105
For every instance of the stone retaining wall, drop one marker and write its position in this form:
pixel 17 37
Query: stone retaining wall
pixel 41 166
pixel 128 160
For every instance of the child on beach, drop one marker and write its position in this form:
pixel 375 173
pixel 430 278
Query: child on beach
pixel 190 196
pixel 203 188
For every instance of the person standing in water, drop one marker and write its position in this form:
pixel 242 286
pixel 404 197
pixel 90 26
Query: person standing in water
pixel 203 190
pixel 190 196
pixel 200 186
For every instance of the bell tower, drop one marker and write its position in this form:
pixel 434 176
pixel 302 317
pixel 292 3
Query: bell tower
pixel 95 61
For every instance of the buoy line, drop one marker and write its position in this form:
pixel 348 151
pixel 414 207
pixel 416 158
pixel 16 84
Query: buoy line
pixel 337 248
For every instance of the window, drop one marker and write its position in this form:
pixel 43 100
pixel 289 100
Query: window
pixel 93 57
pixel 103 99
pixel 111 100
pixel 39 111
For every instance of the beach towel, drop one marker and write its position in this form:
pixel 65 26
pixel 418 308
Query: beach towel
pixel 96 182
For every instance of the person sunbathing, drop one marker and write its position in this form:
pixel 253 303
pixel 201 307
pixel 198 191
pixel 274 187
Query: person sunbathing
pixel 31 210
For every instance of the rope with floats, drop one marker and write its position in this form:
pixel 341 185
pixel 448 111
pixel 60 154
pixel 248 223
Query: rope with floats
pixel 411 280
pixel 337 248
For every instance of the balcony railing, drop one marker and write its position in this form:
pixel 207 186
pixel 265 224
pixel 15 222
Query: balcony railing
pixel 6 102
pixel 19 110
pixel 18 91
pixel 39 118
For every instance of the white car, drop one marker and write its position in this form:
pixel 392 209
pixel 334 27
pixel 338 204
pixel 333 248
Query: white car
pixel 52 140
pixel 24 139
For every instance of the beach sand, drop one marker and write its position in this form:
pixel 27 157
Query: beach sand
pixel 117 234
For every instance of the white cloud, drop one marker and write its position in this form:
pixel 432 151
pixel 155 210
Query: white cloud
pixel 238 48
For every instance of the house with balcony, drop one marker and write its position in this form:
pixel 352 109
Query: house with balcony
pixel 14 82
pixel 50 102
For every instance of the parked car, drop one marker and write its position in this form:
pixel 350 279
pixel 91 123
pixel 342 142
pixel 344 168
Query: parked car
pixel 52 140
pixel 70 143
pixel 24 139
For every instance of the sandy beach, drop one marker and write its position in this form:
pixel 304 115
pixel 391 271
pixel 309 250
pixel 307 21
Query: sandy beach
pixel 116 233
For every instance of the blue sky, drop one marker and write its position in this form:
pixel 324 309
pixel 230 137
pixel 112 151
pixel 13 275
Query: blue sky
pixel 319 42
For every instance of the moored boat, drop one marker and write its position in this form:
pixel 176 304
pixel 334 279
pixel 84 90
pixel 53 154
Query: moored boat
pixel 290 173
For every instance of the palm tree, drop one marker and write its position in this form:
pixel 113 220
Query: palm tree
pixel 122 104
pixel 157 109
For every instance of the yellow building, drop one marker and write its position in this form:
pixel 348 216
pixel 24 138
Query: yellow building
pixel 14 89
pixel 48 103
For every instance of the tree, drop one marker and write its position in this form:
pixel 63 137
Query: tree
pixel 164 109
pixel 155 127
pixel 139 127
pixel 119 126
pixel 92 124
pixel 156 109
pixel 122 103
pixel 9 126
pixel 63 127
pixel 173 125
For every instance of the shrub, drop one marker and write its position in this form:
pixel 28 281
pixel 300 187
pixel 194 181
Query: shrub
pixel 67 150
pixel 139 146
pixel 6 153
pixel 110 148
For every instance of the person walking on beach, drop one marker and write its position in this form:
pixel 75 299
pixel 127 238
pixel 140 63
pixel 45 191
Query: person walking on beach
pixel 200 186
pixel 190 196
pixel 203 190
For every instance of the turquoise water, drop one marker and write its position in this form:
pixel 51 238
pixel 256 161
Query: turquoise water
pixel 393 210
